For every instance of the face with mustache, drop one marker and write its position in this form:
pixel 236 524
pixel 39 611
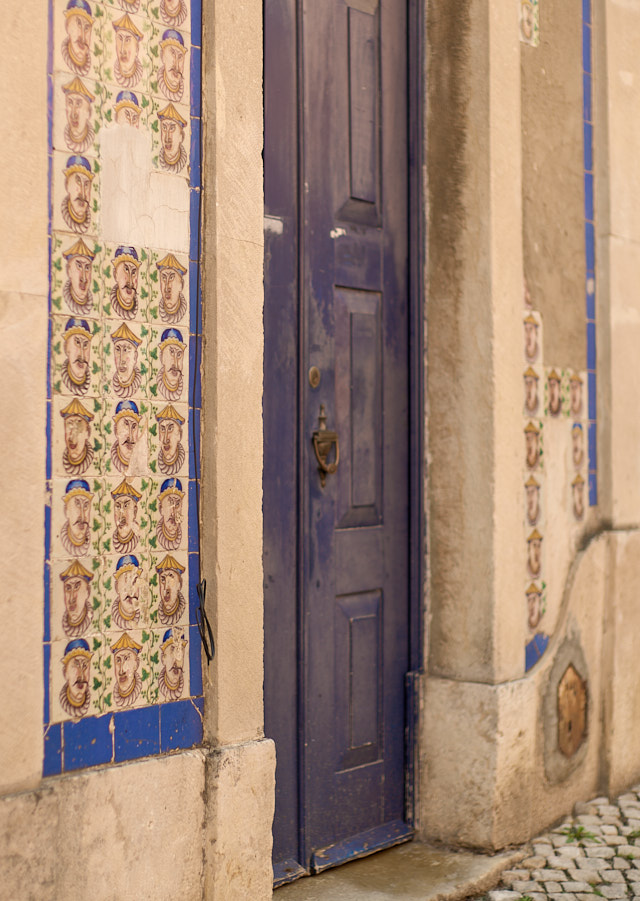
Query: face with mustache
pixel 170 434
pixel 127 46
pixel 171 512
pixel 76 595
pixel 125 355
pixel 172 357
pixel 76 435
pixel 170 585
pixel 79 31
pixel 78 112
pixel 126 275
pixel 79 192
pixel 125 512
pixel 126 664
pixel 79 273
pixel 127 432
pixel 78 512
pixel 77 348
pixel 173 62
pixel 173 659
pixel 171 284
pixel 128 591
pixel 76 673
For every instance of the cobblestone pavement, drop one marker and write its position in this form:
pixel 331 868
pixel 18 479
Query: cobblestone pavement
pixel 592 856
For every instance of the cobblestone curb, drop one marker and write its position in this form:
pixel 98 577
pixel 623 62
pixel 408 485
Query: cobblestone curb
pixel 592 856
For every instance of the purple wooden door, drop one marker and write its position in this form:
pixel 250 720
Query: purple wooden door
pixel 336 556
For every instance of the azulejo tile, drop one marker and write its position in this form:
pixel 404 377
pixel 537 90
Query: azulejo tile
pixel 125 426
pixel 169 14
pixel 169 289
pixel 75 598
pixel 168 440
pixel 126 598
pixel 77 524
pixel 169 581
pixel 125 360
pixel 76 448
pixel 76 683
pixel 170 129
pixel 125 57
pixel 170 77
pixel 171 662
pixel 76 115
pixel 76 357
pixel 126 292
pixel 168 513
pixel 77 38
pixel 123 508
pixel 75 274
pixel 76 194
pixel 168 355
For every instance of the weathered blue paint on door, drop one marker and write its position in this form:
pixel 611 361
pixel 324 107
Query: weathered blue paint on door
pixel 336 557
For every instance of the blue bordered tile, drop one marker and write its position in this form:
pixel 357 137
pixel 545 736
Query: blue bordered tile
pixel 195 152
pixel 196 25
pixel 194 297
pixel 586 96
pixel 195 69
pixel 586 47
pixel 193 545
pixel 587 132
pixel 47 601
pixel 52 765
pixel 47 527
pixel 137 733
pixel 194 454
pixel 590 246
pixel 591 381
pixel 47 668
pixel 181 724
pixel 195 661
pixel 588 197
pixel 586 11
pixel 49 453
pixel 194 224
pixel 195 357
pixel 194 578
pixel 593 489
pixel 593 446
pixel 87 742
pixel 591 347
pixel 590 295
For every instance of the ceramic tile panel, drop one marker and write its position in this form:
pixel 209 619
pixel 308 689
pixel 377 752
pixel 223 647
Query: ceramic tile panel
pixel 529 21
pixel 122 561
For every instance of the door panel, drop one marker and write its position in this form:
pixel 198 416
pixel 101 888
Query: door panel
pixel 351 601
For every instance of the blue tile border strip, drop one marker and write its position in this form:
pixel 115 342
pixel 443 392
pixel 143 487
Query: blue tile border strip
pixel 589 242
pixel 158 728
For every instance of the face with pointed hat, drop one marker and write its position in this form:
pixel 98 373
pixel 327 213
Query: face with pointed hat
pixel 534 553
pixel 128 585
pixel 125 357
pixel 532 446
pixel 170 436
pixel 76 583
pixel 77 510
pixel 530 338
pixel 531 390
pixel 534 606
pixel 172 53
pixel 577 446
pixel 78 24
pixel 78 107
pixel 171 285
pixel 172 651
pixel 126 663
pixel 532 498
pixel 125 511
pixel 170 584
pixel 78 180
pixel 577 490
pixel 126 276
pixel 555 401
pixel 77 348
pixel 127 46
pixel 172 136
pixel 575 395
pixel 79 274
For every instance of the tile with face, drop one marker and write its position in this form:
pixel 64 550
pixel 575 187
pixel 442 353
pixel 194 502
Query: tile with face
pixel 170 14
pixel 535 597
pixel 168 513
pixel 126 290
pixel 532 337
pixel 75 598
pixel 125 426
pixel 578 497
pixel 75 276
pixel 169 585
pixel 535 554
pixel 555 393
pixel 577 394
pixel 170 51
pixel 171 663
pixel 76 195
pixel 127 669
pixel 170 129
pixel 76 114
pixel 532 388
pixel 75 681
pixel 77 525
pixel 169 287
pixel 76 445
pixel 169 440
pixel 529 22
pixel 124 511
pixel 126 39
pixel 125 593
pixel 534 445
pixel 168 353
pixel 533 501
pixel 77 36
pixel 125 359
pixel 578 446
pixel 76 356
pixel 126 108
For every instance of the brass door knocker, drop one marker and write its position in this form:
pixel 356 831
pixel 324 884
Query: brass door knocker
pixel 323 440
